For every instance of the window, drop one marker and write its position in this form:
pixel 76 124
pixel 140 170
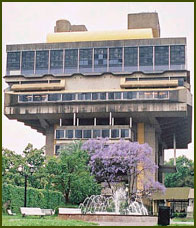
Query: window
pixel 78 134
pixel 161 55
pixel 161 95
pixel 177 55
pixel 87 134
pixel 115 57
pixel 105 133
pixel 102 96
pixel 100 58
pixel 42 61
pixel 124 133
pixel 111 96
pixel 86 58
pixel 13 61
pixel 69 134
pixel 117 95
pixel 40 97
pixel 28 62
pixel 115 133
pixel 57 149
pixel 59 134
pixel 71 60
pixel 56 61
pixel 96 133
pixel 54 97
pixel 84 96
pixel 127 95
pixel 25 98
pixel 95 96
pixel 146 58
pixel 131 56
pixel 68 96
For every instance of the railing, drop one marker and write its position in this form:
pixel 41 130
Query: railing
pixel 94 96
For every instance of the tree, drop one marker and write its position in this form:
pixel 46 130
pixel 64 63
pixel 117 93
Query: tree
pixel 184 177
pixel 110 161
pixel 30 157
pixel 69 173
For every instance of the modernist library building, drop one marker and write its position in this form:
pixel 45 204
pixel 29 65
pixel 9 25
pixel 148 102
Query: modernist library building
pixel 128 84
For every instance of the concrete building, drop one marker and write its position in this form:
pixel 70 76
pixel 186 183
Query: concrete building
pixel 119 84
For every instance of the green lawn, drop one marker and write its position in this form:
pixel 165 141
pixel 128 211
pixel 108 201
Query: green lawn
pixel 18 220
pixel 183 219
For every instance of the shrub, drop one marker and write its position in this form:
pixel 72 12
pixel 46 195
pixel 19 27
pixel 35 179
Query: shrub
pixel 35 198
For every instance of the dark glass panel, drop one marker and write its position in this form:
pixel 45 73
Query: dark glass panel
pixel 124 133
pixel 54 97
pixel 96 133
pixel 105 133
pixel 146 56
pixel 59 134
pixel 13 61
pixel 78 134
pixel 68 96
pixel 115 133
pixel 131 56
pixel 28 62
pixel 69 134
pixel 87 134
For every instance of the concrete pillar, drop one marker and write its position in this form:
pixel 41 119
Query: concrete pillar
pixel 50 141
pixel 140 139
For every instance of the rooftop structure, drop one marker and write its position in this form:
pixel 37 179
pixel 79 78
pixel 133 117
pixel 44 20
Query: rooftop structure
pixel 119 84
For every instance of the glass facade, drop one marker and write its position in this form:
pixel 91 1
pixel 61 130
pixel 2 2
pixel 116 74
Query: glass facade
pixel 131 58
pixel 162 58
pixel 28 62
pixel 85 60
pixel 177 57
pixel 99 60
pixel 42 58
pixel 146 58
pixel 115 96
pixel 92 133
pixel 56 61
pixel 71 61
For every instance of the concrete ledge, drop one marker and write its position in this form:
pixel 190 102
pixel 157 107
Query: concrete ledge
pixel 141 219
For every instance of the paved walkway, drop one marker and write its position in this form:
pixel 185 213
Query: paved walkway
pixel 125 224
pixel 185 223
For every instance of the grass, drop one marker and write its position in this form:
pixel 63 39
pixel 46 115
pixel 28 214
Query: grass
pixel 18 220
pixel 183 219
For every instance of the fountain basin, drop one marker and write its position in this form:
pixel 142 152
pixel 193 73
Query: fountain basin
pixel 111 217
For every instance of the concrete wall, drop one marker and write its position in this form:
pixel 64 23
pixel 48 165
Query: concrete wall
pixel 50 141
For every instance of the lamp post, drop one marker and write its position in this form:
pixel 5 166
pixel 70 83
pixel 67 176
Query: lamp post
pixel 24 173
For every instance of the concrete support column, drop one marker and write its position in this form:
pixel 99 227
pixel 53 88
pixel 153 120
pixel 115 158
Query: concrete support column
pixel 95 121
pixel 74 119
pixel 50 141
pixel 110 118
pixel 140 139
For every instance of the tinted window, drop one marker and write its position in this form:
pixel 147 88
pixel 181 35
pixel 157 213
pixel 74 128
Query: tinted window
pixel 59 134
pixel 85 58
pixel 105 133
pixel 114 133
pixel 96 133
pixel 40 97
pixel 124 133
pixel 111 96
pixel 146 56
pixel 115 56
pixel 103 96
pixel 28 61
pixel 25 98
pixel 177 55
pixel 71 58
pixel 100 57
pixel 78 134
pixel 95 96
pixel 161 55
pixel 127 95
pixel 68 96
pixel 56 59
pixel 54 97
pixel 69 134
pixel 42 60
pixel 87 134
pixel 13 60
pixel 117 95
pixel 84 96
pixel 131 56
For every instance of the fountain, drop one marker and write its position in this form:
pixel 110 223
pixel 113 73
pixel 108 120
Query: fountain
pixel 116 204
pixel 115 209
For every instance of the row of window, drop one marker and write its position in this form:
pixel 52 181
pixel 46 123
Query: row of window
pixel 97 60
pixel 97 96
pixel 93 133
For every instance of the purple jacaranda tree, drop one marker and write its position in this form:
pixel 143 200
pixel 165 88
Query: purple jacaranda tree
pixel 110 162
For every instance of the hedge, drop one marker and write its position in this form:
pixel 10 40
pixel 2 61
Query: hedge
pixel 41 198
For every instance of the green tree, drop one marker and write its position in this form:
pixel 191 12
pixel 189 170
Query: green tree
pixel 31 157
pixel 69 173
pixel 184 177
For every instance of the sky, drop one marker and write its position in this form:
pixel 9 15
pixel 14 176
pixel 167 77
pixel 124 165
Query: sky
pixel 30 22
